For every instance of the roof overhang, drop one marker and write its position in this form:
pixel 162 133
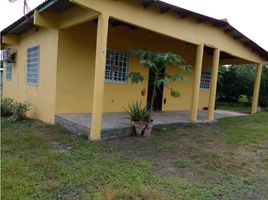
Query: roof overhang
pixel 222 24
pixel 26 22
pixel 57 6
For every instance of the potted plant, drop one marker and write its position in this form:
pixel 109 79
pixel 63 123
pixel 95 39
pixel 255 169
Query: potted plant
pixel 156 62
pixel 139 116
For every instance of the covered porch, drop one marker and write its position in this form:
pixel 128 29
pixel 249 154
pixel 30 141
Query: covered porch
pixel 81 75
pixel 117 124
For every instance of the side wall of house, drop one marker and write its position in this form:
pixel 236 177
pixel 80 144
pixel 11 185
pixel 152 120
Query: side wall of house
pixel 42 95
pixel 75 69
pixel 75 75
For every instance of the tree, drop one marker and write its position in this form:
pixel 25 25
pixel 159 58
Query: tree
pixel 157 62
pixel 263 99
pixel 237 80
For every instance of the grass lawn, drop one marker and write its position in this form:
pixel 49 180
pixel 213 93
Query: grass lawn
pixel 227 160
pixel 233 106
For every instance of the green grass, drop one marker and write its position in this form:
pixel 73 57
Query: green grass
pixel 227 160
pixel 234 106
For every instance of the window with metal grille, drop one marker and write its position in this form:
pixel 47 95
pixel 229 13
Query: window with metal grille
pixel 205 80
pixel 32 65
pixel 8 71
pixel 116 66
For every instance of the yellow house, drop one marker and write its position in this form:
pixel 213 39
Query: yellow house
pixel 66 50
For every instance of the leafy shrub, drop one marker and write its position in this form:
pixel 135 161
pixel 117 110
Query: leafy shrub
pixel 138 113
pixel 19 111
pixel 15 110
pixel 6 106
pixel 243 99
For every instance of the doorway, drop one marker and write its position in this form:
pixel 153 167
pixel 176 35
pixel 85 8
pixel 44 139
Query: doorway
pixel 157 104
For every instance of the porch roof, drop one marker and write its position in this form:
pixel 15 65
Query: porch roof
pixel 57 6
pixel 200 18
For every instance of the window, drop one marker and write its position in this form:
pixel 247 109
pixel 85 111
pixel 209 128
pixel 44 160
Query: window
pixel 8 71
pixel 205 80
pixel 32 65
pixel 116 66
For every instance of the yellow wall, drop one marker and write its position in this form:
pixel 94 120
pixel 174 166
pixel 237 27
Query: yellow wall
pixel 186 29
pixel 75 69
pixel 41 96
pixel 67 58
pixel 75 75
pixel 75 72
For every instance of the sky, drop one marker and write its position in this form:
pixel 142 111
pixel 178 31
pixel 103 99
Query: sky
pixel 249 17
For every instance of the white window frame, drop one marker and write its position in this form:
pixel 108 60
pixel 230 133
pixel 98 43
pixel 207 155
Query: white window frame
pixel 8 71
pixel 32 65
pixel 205 79
pixel 116 70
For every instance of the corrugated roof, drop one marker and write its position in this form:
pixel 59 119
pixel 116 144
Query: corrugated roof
pixel 23 23
pixel 223 24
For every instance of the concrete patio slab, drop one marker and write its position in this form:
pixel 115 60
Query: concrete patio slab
pixel 117 124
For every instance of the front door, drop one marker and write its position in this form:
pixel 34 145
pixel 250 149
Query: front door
pixel 157 104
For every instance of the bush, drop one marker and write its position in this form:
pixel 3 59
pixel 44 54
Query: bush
pixel 6 106
pixel 19 111
pixel 243 99
pixel 15 110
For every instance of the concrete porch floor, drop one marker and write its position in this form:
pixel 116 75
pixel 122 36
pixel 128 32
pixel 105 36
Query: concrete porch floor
pixel 117 124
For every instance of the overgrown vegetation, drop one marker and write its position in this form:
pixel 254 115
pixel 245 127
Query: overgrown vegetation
pixel 15 110
pixel 238 80
pixel 227 160
pixel 6 106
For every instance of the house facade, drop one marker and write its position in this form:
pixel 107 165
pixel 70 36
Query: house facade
pixel 73 57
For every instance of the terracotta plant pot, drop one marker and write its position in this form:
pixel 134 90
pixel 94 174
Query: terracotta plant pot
pixel 139 127
pixel 148 129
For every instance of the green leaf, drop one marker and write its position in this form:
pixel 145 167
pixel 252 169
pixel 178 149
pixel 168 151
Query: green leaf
pixel 174 93
pixel 186 68
pixel 135 77
pixel 176 77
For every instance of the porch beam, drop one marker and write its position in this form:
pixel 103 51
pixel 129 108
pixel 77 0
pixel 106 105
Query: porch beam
pixel 76 16
pixel 213 83
pixel 67 19
pixel 10 39
pixel 100 61
pixel 256 90
pixel 127 12
pixel 46 19
pixel 197 78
